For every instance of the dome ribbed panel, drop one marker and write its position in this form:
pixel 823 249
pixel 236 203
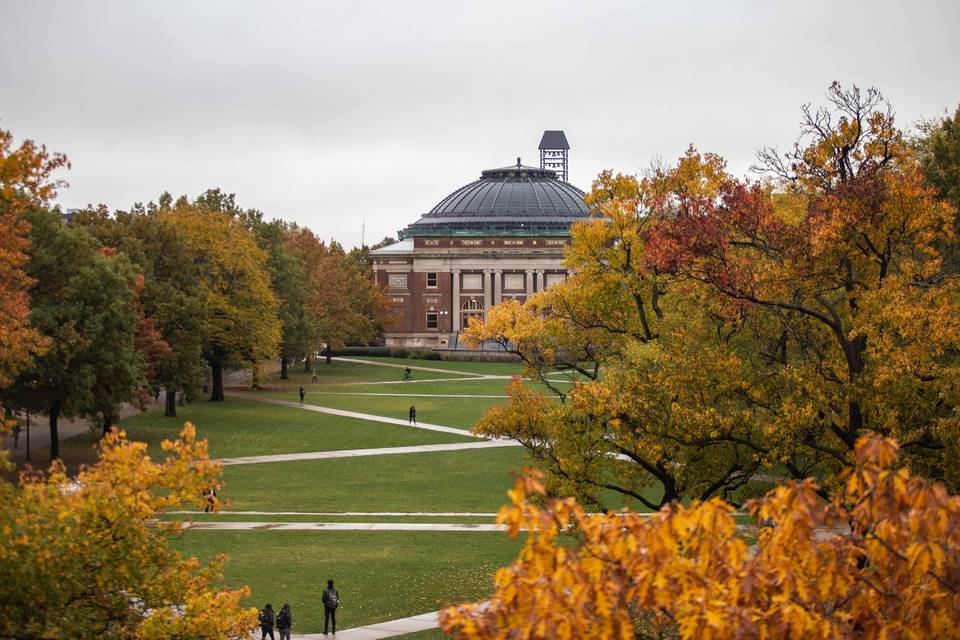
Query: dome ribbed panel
pixel 508 200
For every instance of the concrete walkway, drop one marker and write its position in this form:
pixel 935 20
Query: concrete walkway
pixel 417 381
pixel 40 434
pixel 387 629
pixel 350 414
pixel 356 453
pixel 421 514
pixel 374 363
pixel 403 395
pixel 342 526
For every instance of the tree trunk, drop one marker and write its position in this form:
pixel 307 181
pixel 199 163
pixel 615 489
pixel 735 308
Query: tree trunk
pixel 170 404
pixel 306 365
pixel 217 394
pixel 284 363
pixel 54 434
pixel 108 422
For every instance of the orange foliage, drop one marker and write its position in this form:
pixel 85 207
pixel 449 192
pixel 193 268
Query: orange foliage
pixel 24 183
pixel 881 560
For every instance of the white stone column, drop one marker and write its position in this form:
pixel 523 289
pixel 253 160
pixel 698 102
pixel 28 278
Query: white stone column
pixel 497 286
pixel 487 292
pixel 455 301
pixel 528 280
pixel 539 280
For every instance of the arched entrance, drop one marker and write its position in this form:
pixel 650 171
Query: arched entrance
pixel 470 309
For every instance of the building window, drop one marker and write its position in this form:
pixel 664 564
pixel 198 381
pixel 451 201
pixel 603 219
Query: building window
pixel 398 281
pixel 432 320
pixel 431 279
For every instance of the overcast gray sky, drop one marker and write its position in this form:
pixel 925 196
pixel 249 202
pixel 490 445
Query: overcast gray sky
pixel 334 113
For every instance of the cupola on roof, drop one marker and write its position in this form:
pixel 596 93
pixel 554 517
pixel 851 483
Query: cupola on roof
pixel 512 200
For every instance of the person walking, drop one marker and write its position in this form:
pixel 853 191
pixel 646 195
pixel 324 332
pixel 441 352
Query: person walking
pixel 407 373
pixel 412 419
pixel 210 496
pixel 16 434
pixel 331 600
pixel 302 393
pixel 266 622
pixel 284 622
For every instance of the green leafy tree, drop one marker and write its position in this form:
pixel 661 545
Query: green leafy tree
pixel 168 297
pixel 83 302
pixel 289 281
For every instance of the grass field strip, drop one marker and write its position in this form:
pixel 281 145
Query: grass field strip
pixel 351 414
pixel 357 453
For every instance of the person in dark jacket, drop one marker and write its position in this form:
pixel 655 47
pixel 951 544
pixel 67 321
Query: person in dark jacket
pixel 302 393
pixel 413 415
pixel 331 600
pixel 284 622
pixel 266 622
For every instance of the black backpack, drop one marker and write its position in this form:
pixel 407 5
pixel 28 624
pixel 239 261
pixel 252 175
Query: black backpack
pixel 333 599
pixel 266 618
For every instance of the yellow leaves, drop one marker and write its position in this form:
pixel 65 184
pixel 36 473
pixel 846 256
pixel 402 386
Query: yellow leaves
pixel 686 570
pixel 86 550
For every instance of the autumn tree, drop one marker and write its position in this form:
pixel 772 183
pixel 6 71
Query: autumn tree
pixel 82 302
pixel 26 183
pixel 238 308
pixel 879 560
pixel 86 557
pixel 349 305
pixel 344 303
pixel 720 328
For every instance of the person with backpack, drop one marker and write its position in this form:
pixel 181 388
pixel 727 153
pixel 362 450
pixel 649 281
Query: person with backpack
pixel 331 600
pixel 210 499
pixel 284 622
pixel 413 415
pixel 302 393
pixel 266 622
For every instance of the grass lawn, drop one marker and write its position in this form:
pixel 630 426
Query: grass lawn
pixel 244 427
pixel 474 480
pixel 380 575
pixel 450 412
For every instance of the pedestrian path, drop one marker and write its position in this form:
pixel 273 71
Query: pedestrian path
pixel 405 395
pixel 379 630
pixel 341 526
pixel 418 381
pixel 356 453
pixel 350 414
pixel 371 514
pixel 472 374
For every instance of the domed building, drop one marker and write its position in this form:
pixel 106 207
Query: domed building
pixel 500 237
